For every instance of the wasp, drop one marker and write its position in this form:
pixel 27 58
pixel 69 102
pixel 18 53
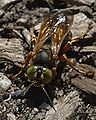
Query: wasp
pixel 49 48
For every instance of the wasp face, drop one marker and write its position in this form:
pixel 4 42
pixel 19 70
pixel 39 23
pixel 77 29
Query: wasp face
pixel 39 74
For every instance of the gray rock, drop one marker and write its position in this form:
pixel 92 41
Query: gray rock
pixel 88 49
pixel 65 108
pixel 80 2
pixel 80 25
pixel 36 110
pixel 88 83
pixel 1 12
pixel 86 10
pixel 37 27
pixel 89 1
pixel 92 31
pixel 94 6
pixel 83 9
pixel 1 98
pixel 4 83
pixel 30 117
pixel 11 116
pixel 45 106
pixel 73 2
pixel 39 116
pixel 5 2
pixel 60 93
pixel 21 21
pixel 11 49
pixel 94 16
pixel 27 36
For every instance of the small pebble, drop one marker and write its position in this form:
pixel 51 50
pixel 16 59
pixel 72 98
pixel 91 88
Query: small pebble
pixel 11 116
pixel 45 106
pixel 1 98
pixel 27 36
pixel 21 21
pixel 36 110
pixel 4 83
pixel 39 116
pixel 16 94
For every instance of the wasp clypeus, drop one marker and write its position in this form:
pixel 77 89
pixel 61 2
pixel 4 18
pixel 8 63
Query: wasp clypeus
pixel 41 63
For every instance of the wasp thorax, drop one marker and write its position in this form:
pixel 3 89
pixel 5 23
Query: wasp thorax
pixel 39 74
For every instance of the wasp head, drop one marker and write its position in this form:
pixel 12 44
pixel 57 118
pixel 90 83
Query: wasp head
pixel 39 74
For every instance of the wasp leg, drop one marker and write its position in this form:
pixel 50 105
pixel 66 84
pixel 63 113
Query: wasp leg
pixel 16 76
pixel 64 58
pixel 89 73
pixel 67 47
pixel 77 38
pixel 28 58
pixel 26 89
pixel 34 38
pixel 58 80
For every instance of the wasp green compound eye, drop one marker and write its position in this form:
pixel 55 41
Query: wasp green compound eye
pixel 31 71
pixel 47 75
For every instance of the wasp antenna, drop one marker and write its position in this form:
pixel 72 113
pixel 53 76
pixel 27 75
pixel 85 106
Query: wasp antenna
pixel 26 89
pixel 17 75
pixel 48 97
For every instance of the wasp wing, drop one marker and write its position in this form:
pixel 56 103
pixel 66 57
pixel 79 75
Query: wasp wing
pixel 56 23
pixel 46 30
pixel 65 20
